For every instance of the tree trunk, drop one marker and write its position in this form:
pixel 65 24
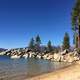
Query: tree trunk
pixel 76 41
pixel 79 37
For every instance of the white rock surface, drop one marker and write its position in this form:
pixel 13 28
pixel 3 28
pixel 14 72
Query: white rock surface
pixel 38 56
pixel 25 56
pixel 57 57
pixel 15 57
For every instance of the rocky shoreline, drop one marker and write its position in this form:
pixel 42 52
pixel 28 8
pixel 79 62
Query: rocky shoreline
pixel 72 57
pixel 63 56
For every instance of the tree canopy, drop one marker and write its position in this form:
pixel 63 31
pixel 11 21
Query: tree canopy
pixel 75 18
pixel 66 42
pixel 31 44
pixel 49 46
pixel 76 15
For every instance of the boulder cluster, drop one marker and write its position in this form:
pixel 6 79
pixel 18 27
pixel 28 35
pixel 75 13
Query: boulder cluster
pixel 63 56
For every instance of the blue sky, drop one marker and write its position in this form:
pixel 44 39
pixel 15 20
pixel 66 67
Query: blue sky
pixel 20 20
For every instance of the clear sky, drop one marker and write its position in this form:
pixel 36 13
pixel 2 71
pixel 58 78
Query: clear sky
pixel 20 20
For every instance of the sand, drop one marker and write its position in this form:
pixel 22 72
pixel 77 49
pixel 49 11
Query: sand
pixel 69 73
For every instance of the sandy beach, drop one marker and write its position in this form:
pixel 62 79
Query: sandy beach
pixel 69 73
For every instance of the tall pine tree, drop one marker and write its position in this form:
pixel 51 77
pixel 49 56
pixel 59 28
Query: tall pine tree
pixel 38 40
pixel 76 23
pixel 37 43
pixel 49 46
pixel 66 42
pixel 31 44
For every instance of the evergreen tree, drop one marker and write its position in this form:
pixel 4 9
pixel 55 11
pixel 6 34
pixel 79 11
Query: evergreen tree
pixel 37 43
pixel 49 46
pixel 31 44
pixel 38 40
pixel 66 43
pixel 76 22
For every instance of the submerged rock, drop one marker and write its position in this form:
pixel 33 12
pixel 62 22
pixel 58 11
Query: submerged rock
pixel 15 57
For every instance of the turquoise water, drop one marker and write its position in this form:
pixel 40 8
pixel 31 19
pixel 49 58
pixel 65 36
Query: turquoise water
pixel 19 69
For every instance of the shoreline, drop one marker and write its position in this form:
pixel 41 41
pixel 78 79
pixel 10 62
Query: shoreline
pixel 57 69
pixel 71 72
pixel 23 76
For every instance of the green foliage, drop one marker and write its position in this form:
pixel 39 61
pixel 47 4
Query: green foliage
pixel 49 46
pixel 31 44
pixel 37 43
pixel 37 40
pixel 75 17
pixel 66 43
pixel 76 13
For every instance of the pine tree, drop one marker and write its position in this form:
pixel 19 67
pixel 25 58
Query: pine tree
pixel 76 22
pixel 38 40
pixel 37 43
pixel 31 44
pixel 49 46
pixel 66 43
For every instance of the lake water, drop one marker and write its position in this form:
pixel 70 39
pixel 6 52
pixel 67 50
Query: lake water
pixel 19 69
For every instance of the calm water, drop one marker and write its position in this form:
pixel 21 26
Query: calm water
pixel 20 69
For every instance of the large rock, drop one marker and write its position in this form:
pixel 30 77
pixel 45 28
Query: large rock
pixel 70 57
pixel 63 58
pixel 57 57
pixel 50 57
pixel 15 57
pixel 45 56
pixel 2 53
pixel 31 54
pixel 39 56
pixel 25 56
pixel 65 52
pixel 76 58
pixel 75 53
